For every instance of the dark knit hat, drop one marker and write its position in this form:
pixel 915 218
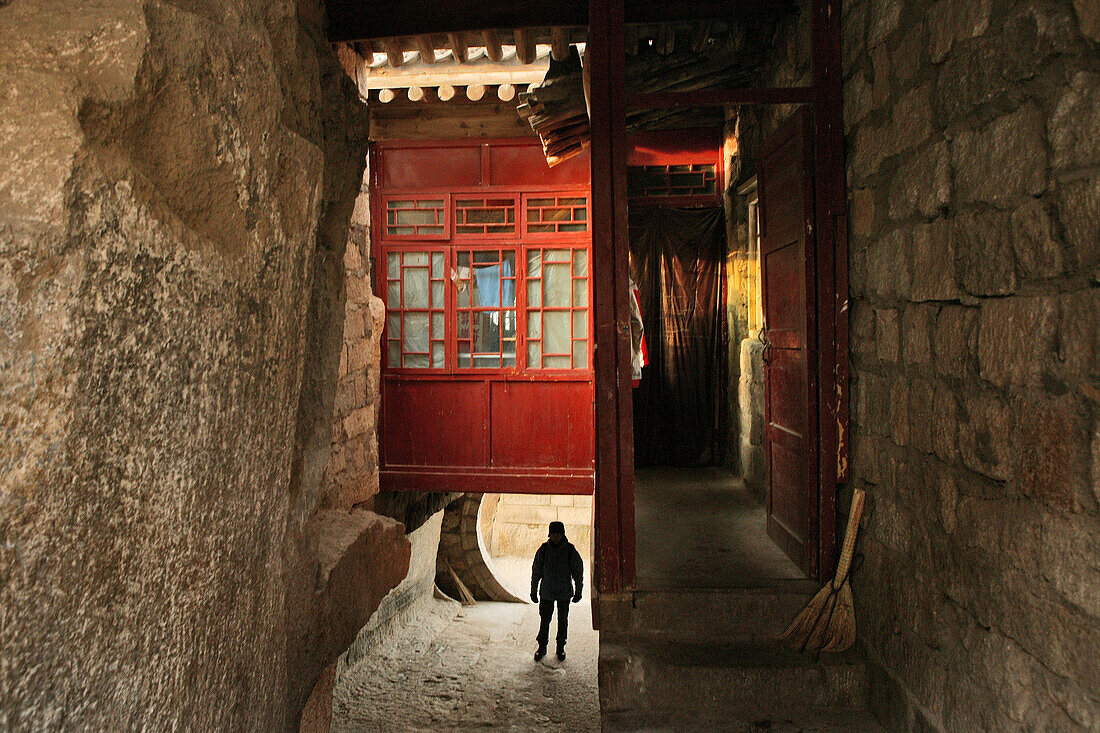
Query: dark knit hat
pixel 557 528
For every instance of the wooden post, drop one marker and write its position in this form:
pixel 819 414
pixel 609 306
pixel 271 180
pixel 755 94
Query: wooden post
pixel 832 259
pixel 614 503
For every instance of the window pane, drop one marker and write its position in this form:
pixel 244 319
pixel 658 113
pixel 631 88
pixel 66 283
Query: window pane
pixel 558 281
pixel 416 287
pixel 580 324
pixel 437 294
pixel 534 354
pixel 437 326
pixel 465 288
pixel 580 293
pixel 393 265
pixel 415 337
pixel 438 357
pixel 437 265
pixel 534 325
pixel 557 255
pixel 393 294
pixel 486 333
pixel 416 361
pixel 556 362
pixel 534 294
pixel 393 325
pixel 393 354
pixel 580 354
pixel 464 354
pixel 556 336
pixel 580 263
pixel 534 263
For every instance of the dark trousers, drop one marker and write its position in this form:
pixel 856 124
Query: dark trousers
pixel 546 610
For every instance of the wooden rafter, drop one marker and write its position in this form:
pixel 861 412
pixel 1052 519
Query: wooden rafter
pixel 666 39
pixel 426 48
pixel 458 47
pixel 699 36
pixel 395 51
pixel 525 45
pixel 492 45
pixel 351 20
pixel 365 49
pixel 559 43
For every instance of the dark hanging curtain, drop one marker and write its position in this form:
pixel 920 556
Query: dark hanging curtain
pixel 677 257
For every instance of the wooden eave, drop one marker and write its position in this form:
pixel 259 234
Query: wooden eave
pixel 356 20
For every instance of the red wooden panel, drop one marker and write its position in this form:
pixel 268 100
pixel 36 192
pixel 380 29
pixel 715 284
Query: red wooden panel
pixel 488 480
pixel 437 168
pixel 543 424
pixel 525 165
pixel 670 147
pixel 785 309
pixel 435 423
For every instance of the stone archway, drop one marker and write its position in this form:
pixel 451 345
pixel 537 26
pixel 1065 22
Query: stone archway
pixel 462 547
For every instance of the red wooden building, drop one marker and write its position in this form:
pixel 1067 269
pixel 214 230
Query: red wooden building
pixel 483 259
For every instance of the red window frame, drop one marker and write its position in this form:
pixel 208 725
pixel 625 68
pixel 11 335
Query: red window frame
pixel 433 309
pixel 461 234
pixel 415 196
pixel 558 196
pixel 573 309
pixel 458 309
pixel 455 243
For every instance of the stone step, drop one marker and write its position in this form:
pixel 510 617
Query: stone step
pixel 824 721
pixel 707 683
pixel 735 615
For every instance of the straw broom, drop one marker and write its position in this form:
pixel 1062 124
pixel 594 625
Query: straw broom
pixel 828 622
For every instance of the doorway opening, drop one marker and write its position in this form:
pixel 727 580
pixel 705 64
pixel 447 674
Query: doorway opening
pixel 709 507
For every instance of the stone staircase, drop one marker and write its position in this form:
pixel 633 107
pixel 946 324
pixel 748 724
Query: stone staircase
pixel 703 660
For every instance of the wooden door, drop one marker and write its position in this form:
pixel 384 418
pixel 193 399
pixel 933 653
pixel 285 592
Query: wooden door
pixel 785 184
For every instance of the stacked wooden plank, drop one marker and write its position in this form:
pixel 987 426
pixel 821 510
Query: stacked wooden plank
pixel 556 111
pixel 556 108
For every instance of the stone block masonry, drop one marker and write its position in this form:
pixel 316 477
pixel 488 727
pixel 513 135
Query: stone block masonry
pixel 974 187
pixel 516 524
pixel 176 182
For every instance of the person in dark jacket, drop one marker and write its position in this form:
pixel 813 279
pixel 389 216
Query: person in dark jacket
pixel 560 570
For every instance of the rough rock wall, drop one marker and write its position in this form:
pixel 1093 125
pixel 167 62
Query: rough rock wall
pixel 974 192
pixel 172 220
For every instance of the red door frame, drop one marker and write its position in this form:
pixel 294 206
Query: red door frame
pixel 614 504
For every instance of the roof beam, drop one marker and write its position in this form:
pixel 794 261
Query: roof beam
pixel 353 20
pixel 458 47
pixel 426 49
pixel 395 52
pixel 525 45
pixel 559 43
pixel 365 49
pixel 492 45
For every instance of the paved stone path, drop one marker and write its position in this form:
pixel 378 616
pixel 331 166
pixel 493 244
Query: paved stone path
pixel 460 669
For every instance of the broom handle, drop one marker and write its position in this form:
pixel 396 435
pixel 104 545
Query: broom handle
pixel 849 537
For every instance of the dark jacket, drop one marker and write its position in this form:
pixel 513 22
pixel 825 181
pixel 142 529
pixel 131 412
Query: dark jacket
pixel 555 567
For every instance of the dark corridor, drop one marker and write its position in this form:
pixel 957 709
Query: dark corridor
pixel 677 262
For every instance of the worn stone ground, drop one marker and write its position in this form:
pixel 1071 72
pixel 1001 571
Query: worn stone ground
pixel 471 668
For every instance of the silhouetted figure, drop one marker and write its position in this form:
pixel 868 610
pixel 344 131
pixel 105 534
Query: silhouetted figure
pixel 558 566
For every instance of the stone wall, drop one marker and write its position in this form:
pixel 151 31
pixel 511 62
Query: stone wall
pixel 516 524
pixel 351 476
pixel 175 185
pixel 750 396
pixel 974 191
